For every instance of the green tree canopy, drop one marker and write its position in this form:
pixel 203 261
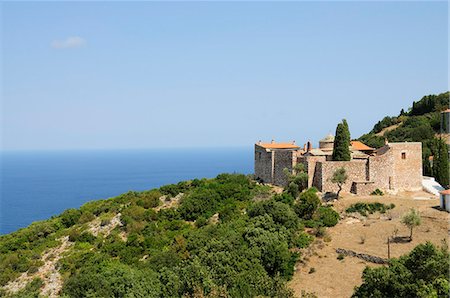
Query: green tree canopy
pixel 424 272
pixel 113 279
pixel 339 177
pixel 297 179
pixel 411 219
pixel 440 162
pixel 341 149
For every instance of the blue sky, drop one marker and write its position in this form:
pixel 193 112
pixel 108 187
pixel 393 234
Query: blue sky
pixel 194 74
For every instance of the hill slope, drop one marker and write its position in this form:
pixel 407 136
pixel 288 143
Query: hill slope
pixel 226 236
pixel 421 123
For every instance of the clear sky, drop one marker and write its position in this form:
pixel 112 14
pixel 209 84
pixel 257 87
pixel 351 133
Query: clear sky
pixel 93 75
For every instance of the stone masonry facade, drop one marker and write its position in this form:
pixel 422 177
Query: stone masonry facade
pixel 394 167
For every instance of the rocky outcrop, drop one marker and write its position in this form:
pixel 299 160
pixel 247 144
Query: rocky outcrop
pixel 365 257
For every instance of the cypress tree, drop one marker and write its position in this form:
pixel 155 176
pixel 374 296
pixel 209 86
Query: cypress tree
pixel 440 163
pixel 341 149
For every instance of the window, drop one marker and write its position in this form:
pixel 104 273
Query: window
pixel 403 155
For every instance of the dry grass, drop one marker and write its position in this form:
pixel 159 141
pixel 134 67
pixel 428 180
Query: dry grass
pixel 337 278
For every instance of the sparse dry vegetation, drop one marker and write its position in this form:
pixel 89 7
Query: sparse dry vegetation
pixel 376 228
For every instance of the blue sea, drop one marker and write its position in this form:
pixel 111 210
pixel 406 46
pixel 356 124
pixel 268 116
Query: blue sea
pixel 36 185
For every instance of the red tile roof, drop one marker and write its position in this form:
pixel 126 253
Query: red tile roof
pixel 445 192
pixel 446 111
pixel 274 145
pixel 357 145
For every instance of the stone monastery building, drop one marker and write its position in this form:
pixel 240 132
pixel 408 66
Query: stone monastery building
pixel 393 167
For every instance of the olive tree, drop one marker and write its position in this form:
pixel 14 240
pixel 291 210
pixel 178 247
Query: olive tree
pixel 339 177
pixel 297 179
pixel 411 219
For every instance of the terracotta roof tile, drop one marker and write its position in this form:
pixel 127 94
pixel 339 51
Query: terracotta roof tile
pixel 357 145
pixel 446 192
pixel 278 145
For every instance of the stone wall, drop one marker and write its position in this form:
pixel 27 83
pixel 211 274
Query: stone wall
pixel 263 164
pixel 363 188
pixel 380 169
pixel 270 163
pixel 310 163
pixel 283 159
pixel 355 169
pixel 407 166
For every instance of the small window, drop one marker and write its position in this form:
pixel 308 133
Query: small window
pixel 403 155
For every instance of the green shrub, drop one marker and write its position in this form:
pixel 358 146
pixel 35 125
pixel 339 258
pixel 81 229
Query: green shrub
pixel 327 216
pixel 302 240
pixel 307 204
pixel 106 221
pixel 86 217
pixel 202 202
pixel 169 214
pixel 364 208
pixel 285 198
pixel 281 213
pixel 149 199
pixel 201 221
pixel 320 232
pixel 77 236
pixel 33 269
pixel 229 212
pixel 113 279
pixel 377 192
pixel 135 212
pixel 70 217
pixel 173 189
pixel 421 273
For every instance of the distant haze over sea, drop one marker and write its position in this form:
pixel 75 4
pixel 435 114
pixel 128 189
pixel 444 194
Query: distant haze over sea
pixel 36 185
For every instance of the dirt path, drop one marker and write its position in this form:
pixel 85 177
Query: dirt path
pixel 96 227
pixel 337 278
pixel 168 202
pixel 387 129
pixel 48 272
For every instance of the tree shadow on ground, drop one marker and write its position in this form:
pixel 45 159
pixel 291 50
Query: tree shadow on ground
pixel 400 239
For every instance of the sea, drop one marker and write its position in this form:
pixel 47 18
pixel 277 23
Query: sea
pixel 35 185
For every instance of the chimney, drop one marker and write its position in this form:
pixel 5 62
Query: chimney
pixel 308 146
pixel 304 147
pixel 293 142
pixel 273 141
pixel 386 141
pixel 259 142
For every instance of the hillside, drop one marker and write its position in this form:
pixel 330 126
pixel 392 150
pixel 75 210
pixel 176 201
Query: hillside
pixel 420 123
pixel 227 236
pixel 221 237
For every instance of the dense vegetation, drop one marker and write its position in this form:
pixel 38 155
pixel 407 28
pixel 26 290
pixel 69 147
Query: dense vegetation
pixel 424 272
pixel 227 237
pixel 420 124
